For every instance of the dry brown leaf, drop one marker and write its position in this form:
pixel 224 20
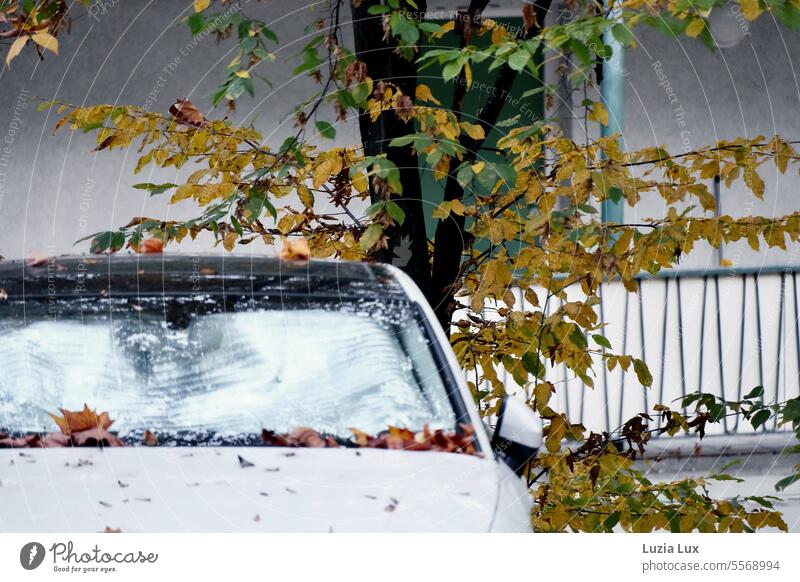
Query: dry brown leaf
pixel 529 16
pixel 150 246
pixel 185 112
pixel 150 439
pixel 295 250
pixel 25 442
pixel 112 530
pixel 56 440
pixel 72 422
pixel 95 437
pixel 307 437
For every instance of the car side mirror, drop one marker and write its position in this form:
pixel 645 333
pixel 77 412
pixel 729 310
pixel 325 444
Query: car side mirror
pixel 518 434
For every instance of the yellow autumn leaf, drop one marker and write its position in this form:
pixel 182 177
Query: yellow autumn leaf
pixel 306 196
pixel 499 34
pixel 473 130
pixel 322 172
pixel 695 27
pixel 200 5
pixel 229 241
pixel 15 48
pixel 468 74
pixel 182 193
pixel 750 9
pixel 477 167
pixel 423 93
pixel 598 113
pixel 243 74
pixel 360 182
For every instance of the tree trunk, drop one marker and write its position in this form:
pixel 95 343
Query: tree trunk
pixel 408 244
pixel 450 238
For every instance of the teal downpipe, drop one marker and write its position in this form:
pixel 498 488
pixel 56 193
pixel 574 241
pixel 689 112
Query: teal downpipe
pixel 612 91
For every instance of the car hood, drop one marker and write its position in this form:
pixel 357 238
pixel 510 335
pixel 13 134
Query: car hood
pixel 269 489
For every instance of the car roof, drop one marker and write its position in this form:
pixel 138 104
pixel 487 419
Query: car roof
pixel 177 274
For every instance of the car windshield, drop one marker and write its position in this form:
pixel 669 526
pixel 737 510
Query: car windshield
pixel 220 365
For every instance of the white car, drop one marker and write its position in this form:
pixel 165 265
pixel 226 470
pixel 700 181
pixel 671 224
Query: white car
pixel 247 395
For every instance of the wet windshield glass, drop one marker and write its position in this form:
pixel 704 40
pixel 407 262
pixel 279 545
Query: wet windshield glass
pixel 223 366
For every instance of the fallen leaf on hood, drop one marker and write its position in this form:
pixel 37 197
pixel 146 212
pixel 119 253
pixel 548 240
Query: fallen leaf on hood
pixel 462 441
pixel 56 439
pixel 36 260
pixel 150 246
pixel 185 112
pixel 24 442
pixel 257 518
pixel 71 422
pixel 149 439
pixel 360 437
pixel 295 250
pixel 302 436
pixel 95 437
pixel 112 530
pixel 307 437
pixel 244 463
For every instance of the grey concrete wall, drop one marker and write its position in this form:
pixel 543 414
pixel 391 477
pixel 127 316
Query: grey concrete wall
pixel 54 189
pixel 681 95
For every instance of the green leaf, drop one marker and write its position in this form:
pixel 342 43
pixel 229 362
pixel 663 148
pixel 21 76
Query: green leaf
pixel 601 341
pixel 533 364
pixel 91 126
pixel 760 418
pixel 791 411
pixel 395 212
pixel 577 338
pixel 755 393
pixel 371 236
pixel 763 501
pixel 689 399
pixel 451 69
pixel 196 21
pixel 581 51
pixel 154 189
pixel 237 226
pixel 622 33
pixel 612 520
pixel 326 130
pixel 519 59
pixel 716 412
pixel 107 241
pixel 725 477
pixel 786 481
pixel 642 373
pixel 45 105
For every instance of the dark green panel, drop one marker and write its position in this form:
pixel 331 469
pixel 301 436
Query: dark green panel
pixel 529 109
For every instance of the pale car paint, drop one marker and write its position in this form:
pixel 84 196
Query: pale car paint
pixel 262 489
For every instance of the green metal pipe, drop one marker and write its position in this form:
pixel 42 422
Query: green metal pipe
pixel 612 91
